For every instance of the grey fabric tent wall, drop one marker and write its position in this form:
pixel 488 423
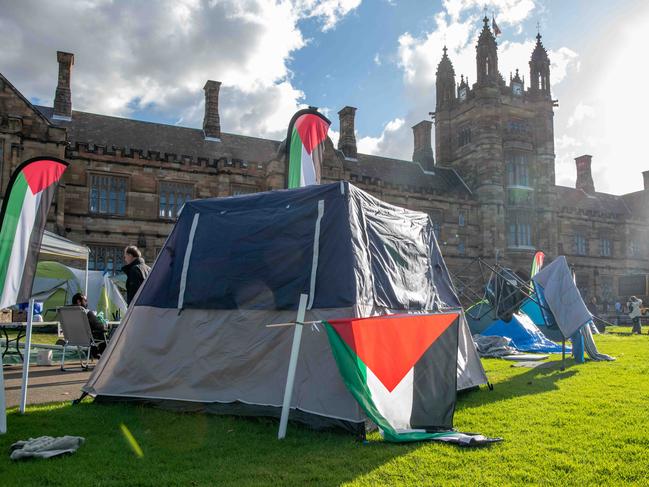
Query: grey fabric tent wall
pixel 196 331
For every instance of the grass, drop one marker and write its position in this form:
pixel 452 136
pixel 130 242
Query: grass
pixel 41 338
pixel 585 425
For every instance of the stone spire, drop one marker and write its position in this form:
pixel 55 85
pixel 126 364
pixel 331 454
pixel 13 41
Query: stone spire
pixel 487 57
pixel 540 70
pixel 445 82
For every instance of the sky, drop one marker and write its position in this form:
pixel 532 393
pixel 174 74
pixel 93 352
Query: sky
pixel 150 60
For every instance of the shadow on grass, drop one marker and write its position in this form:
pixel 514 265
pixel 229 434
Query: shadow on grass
pixel 188 449
pixel 537 380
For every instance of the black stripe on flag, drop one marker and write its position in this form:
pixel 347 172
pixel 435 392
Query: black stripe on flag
pixel 29 271
pixel 435 383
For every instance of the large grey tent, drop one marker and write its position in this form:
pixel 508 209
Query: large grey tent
pixel 195 336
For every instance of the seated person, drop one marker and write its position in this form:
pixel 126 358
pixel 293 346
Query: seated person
pixel 97 327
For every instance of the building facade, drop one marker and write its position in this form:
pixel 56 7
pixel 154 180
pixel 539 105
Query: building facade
pixel 489 186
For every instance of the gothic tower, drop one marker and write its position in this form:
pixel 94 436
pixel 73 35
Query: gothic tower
pixel 500 139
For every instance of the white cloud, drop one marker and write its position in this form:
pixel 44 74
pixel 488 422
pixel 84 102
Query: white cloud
pixel 377 59
pixel 331 11
pixel 145 56
pixel 387 142
pixel 582 111
pixel 506 11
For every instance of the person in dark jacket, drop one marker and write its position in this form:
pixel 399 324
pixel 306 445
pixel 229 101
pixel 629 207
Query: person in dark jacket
pixel 136 271
pixel 96 326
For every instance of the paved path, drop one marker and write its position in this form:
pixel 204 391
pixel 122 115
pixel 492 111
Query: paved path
pixel 46 384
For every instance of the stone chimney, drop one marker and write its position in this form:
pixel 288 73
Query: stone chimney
pixel 212 121
pixel 584 175
pixel 63 95
pixel 423 153
pixel 347 139
pixel 645 176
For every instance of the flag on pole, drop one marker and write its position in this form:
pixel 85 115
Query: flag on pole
pixel 305 147
pixel 24 212
pixel 402 370
pixel 537 263
pixel 494 26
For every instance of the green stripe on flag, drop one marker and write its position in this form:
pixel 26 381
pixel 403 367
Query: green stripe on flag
pixel 354 374
pixel 9 225
pixel 295 161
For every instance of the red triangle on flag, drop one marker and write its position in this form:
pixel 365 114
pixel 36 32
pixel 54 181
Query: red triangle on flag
pixel 41 174
pixel 391 345
pixel 312 130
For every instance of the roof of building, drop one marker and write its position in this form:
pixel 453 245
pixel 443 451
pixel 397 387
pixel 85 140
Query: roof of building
pixel 104 130
pixel 598 202
pixel 405 173
pixel 123 133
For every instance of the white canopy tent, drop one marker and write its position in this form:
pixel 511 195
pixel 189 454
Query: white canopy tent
pixel 51 245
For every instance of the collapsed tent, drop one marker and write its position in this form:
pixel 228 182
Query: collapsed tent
pixel 525 336
pixel 55 284
pixel 195 336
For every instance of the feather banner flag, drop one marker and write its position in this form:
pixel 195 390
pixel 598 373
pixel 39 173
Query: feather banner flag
pixel 305 147
pixel 24 213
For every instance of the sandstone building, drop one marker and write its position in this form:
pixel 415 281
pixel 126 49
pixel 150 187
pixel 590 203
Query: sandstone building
pixel 489 186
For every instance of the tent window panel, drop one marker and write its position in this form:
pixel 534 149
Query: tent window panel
pixel 172 198
pixel 107 194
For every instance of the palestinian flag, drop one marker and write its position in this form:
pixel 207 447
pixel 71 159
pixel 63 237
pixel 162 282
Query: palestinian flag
pixel 537 263
pixel 402 370
pixel 305 142
pixel 24 212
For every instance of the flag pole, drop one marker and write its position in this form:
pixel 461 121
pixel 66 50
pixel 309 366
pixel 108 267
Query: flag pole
pixel 3 404
pixel 292 366
pixel 28 346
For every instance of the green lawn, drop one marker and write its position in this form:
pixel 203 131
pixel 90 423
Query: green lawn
pixel 586 425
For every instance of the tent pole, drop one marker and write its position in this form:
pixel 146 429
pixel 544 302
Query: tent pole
pixel 292 365
pixel 85 290
pixel 28 345
pixel 563 354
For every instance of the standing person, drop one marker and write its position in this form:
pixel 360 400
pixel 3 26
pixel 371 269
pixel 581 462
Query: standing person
pixel 635 312
pixel 96 326
pixel 618 311
pixel 136 271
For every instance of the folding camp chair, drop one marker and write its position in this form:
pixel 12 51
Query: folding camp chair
pixel 77 333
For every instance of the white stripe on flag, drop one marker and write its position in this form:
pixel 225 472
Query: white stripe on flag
pixel 316 253
pixel 188 254
pixel 395 406
pixel 307 175
pixel 20 248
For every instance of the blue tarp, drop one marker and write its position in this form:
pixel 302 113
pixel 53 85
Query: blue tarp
pixel 524 334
